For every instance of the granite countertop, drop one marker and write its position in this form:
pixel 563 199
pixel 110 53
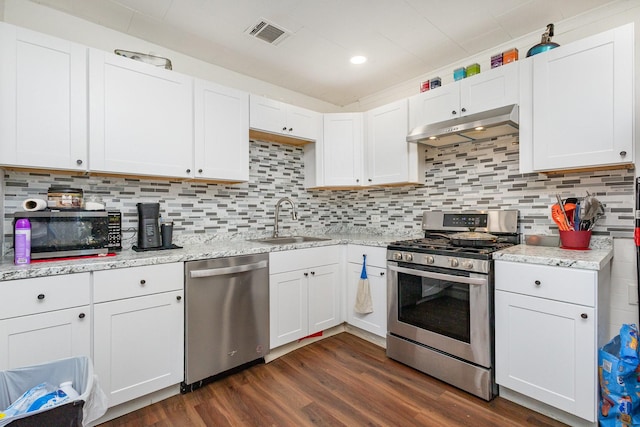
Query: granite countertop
pixel 598 255
pixel 189 252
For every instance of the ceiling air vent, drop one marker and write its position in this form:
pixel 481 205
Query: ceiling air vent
pixel 264 30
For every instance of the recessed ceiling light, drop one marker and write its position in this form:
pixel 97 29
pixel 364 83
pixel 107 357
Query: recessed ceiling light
pixel 480 128
pixel 358 59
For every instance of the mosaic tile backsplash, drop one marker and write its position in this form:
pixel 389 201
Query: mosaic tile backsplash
pixel 467 176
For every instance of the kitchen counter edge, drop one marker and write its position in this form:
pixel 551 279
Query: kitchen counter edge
pixel 595 258
pixel 190 252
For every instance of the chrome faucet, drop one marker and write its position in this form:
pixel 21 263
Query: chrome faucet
pixel 294 215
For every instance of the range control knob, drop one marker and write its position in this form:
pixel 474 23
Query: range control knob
pixel 467 265
pixel 397 256
pixel 453 262
pixel 429 259
pixel 408 257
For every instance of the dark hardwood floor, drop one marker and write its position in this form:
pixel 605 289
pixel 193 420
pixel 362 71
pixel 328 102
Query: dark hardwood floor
pixel 339 381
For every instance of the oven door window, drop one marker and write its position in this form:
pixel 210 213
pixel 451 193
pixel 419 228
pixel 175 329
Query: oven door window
pixel 436 305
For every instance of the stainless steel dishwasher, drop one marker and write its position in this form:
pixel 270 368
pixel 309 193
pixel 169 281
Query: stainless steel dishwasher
pixel 226 316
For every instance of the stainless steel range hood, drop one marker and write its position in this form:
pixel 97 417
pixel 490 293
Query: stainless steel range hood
pixel 474 127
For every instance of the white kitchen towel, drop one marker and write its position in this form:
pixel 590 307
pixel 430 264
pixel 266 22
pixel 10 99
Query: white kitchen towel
pixel 30 205
pixel 363 303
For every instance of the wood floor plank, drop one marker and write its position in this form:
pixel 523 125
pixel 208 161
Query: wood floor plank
pixel 339 381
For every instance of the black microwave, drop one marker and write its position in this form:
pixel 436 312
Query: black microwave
pixel 56 234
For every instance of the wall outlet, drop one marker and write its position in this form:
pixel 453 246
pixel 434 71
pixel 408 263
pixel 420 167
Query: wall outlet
pixel 632 294
pixel 375 218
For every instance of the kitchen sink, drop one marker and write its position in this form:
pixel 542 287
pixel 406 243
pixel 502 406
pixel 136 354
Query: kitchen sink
pixel 286 240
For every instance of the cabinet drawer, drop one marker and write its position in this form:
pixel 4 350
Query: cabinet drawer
pixel 300 259
pixel 543 281
pixel 137 281
pixel 42 294
pixel 376 256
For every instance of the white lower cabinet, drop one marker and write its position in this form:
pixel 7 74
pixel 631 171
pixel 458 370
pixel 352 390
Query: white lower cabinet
pixel 48 318
pixel 376 321
pixel 304 293
pixel 547 323
pixel 138 330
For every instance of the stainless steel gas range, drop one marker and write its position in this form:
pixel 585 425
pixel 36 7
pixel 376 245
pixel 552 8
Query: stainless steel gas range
pixel 440 289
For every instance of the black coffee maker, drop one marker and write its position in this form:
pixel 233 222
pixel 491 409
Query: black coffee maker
pixel 148 225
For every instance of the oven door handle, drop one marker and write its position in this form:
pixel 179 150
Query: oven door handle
pixel 440 276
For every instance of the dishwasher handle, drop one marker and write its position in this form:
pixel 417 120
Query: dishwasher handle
pixel 225 271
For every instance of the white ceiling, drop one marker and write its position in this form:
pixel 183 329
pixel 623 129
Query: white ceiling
pixel 402 39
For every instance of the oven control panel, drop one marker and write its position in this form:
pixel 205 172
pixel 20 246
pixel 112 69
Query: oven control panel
pixel 443 261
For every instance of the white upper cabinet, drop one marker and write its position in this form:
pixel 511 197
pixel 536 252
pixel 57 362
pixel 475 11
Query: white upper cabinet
pixel 390 159
pixel 283 119
pixel 577 104
pixel 367 149
pixel 490 89
pixel 221 132
pixel 141 118
pixel 341 149
pixel 43 110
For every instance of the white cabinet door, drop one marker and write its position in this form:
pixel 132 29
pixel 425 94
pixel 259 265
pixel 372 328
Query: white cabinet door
pixel 41 338
pixel 267 114
pixel 436 105
pixel 141 118
pixel 375 322
pixel 547 350
pixel 583 103
pixel 324 298
pixel 342 149
pixel 221 132
pixel 43 107
pixel 139 345
pixel 283 119
pixel 288 307
pixel 490 89
pixel 391 159
pixel 303 123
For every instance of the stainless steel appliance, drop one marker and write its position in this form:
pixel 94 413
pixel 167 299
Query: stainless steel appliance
pixel 440 297
pixel 227 316
pixel 56 234
pixel 481 126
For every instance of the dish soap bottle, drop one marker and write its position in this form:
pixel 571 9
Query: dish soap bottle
pixel 22 242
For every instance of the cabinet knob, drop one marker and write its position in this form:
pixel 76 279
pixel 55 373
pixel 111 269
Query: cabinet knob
pixel 370 180
pixel 284 129
pixel 143 282
pixel 188 170
pixel 454 112
pixel 41 296
pixel 623 153
pixel 584 315
pixel 306 274
pixel 199 170
pixel 313 273
pixel 537 282
pixel 357 180
pixel 179 297
pixel 290 129
pixel 382 273
pixel 464 110
pixel 81 316
pixel 79 162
